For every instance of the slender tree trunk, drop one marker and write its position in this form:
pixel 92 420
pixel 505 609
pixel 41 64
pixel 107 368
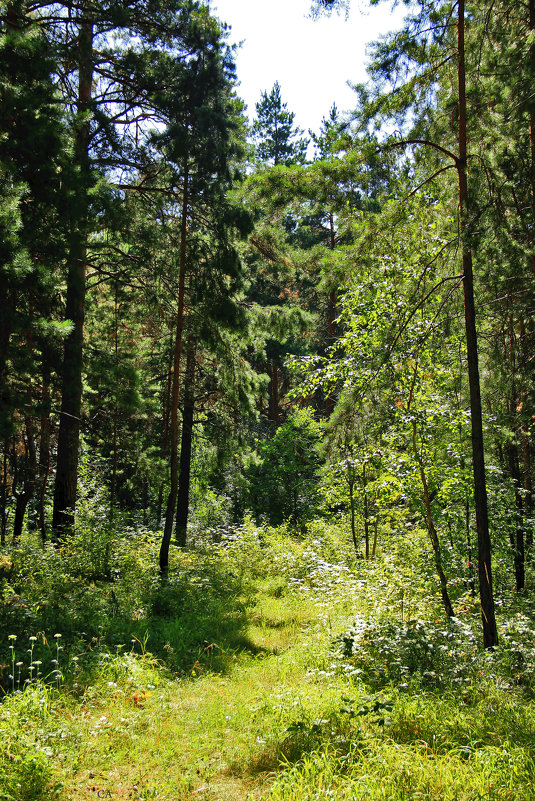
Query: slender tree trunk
pixel 374 545
pixel 365 510
pixel 518 537
pixel 514 470
pixel 65 487
pixel 185 449
pixel 331 311
pixel 115 407
pixel 173 491
pixel 490 633
pixel 3 509
pixel 528 487
pixel 433 536
pixel 470 582
pixel 28 486
pixel 274 392
pixel 166 414
pixel 44 446
pixel 352 509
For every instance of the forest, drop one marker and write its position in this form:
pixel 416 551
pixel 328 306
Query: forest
pixel 267 412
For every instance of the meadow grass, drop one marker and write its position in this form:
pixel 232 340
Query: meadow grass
pixel 266 667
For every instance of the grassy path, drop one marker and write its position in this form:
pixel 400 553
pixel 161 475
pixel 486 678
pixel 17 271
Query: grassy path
pixel 216 736
pixel 263 708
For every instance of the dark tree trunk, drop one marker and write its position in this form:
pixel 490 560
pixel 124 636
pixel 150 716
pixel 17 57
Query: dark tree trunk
pixel 3 497
pixel 352 508
pixel 433 536
pixel 528 487
pixel 518 538
pixel 71 387
pixel 185 450
pixel 173 491
pixel 366 512
pixel 331 311
pixel 274 393
pixel 44 446
pixel 490 633
pixel 113 491
pixel 28 486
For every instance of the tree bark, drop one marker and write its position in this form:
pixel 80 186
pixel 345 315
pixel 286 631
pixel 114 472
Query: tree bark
pixel 28 485
pixel 433 536
pixel 65 487
pixel 185 450
pixel 274 393
pixel 173 490
pixel 365 511
pixel 3 500
pixel 490 633
pixel 331 311
pixel 528 487
pixel 352 508
pixel 44 446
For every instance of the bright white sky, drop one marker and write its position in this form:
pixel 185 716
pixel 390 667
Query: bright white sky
pixel 311 59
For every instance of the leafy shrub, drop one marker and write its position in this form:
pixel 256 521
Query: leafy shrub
pixel 25 770
pixel 429 653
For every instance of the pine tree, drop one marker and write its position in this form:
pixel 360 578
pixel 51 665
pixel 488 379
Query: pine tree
pixel 278 141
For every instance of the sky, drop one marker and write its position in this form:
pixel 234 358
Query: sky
pixel 311 59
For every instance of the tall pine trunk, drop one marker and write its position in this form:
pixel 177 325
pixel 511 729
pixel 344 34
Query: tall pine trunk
pixel 173 490
pixel 490 633
pixel 71 380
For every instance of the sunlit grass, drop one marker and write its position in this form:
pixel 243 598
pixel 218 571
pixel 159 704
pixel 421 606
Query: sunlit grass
pixel 231 682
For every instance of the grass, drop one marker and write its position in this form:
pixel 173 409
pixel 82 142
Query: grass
pixel 265 668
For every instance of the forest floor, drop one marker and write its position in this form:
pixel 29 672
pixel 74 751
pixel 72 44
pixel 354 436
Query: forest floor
pixel 315 676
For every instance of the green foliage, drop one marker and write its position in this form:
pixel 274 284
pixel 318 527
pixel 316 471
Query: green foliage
pixel 277 139
pixel 26 773
pixel 284 481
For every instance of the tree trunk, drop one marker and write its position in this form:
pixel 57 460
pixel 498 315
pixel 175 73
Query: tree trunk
pixel 375 527
pixel 185 450
pixel 113 491
pixel 71 389
pixel 490 633
pixel 28 486
pixel 173 491
pixel 352 508
pixel 518 539
pixel 274 393
pixel 331 311
pixel 3 507
pixel 433 536
pixel 44 446
pixel 365 510
pixel 528 487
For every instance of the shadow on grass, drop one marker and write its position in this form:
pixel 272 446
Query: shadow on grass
pixel 194 620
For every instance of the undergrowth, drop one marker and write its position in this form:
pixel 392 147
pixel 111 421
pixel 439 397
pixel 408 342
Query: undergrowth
pixel 267 664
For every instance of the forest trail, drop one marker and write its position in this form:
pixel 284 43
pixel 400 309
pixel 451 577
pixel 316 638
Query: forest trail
pixel 216 736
